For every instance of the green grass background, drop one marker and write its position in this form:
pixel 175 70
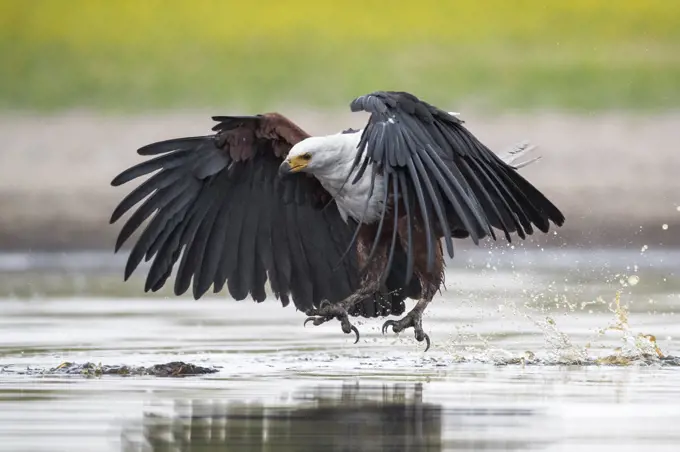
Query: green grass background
pixel 129 55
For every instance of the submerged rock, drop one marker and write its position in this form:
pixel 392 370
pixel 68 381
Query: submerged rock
pixel 172 369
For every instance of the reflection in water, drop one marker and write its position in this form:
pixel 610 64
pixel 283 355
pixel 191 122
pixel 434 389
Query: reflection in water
pixel 353 418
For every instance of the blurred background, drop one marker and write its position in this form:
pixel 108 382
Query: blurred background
pixel 594 83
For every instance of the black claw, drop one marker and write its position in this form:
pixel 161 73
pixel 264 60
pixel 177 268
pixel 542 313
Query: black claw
pixel 326 312
pixel 387 324
pixel 427 340
pixel 408 321
pixel 317 320
pixel 356 331
pixel 348 327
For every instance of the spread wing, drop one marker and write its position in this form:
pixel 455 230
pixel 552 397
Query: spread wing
pixel 220 205
pixel 450 184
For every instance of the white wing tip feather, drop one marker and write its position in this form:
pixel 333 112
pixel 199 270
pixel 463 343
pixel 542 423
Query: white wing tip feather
pixel 515 155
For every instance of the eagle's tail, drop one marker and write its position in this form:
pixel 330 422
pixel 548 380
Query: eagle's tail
pixel 516 155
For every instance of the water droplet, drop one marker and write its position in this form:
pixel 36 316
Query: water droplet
pixel 633 280
pixel 664 226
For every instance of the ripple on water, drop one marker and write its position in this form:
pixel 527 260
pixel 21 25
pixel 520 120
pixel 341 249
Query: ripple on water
pixel 529 352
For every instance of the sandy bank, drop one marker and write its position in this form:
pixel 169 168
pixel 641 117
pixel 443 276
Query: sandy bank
pixel 616 176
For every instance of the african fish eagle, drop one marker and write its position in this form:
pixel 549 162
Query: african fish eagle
pixel 348 224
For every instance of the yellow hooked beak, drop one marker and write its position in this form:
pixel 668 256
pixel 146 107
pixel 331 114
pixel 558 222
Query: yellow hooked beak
pixel 294 164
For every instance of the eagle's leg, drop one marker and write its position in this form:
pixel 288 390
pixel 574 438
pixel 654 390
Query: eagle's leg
pixel 340 309
pixel 370 284
pixel 414 319
pixel 430 282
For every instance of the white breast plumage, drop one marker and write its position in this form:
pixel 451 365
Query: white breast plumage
pixel 351 198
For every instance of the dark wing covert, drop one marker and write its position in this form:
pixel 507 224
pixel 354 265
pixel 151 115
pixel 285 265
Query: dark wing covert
pixel 449 182
pixel 218 198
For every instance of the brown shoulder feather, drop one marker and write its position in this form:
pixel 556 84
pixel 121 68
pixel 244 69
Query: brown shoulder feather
pixel 238 134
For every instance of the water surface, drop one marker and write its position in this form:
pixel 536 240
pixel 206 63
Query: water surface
pixel 532 350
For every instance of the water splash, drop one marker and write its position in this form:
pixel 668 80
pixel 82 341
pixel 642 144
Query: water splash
pixel 636 347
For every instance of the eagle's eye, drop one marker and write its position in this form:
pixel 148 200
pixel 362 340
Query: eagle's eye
pixel 307 156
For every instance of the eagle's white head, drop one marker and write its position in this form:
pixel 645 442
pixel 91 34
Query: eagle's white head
pixel 321 154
